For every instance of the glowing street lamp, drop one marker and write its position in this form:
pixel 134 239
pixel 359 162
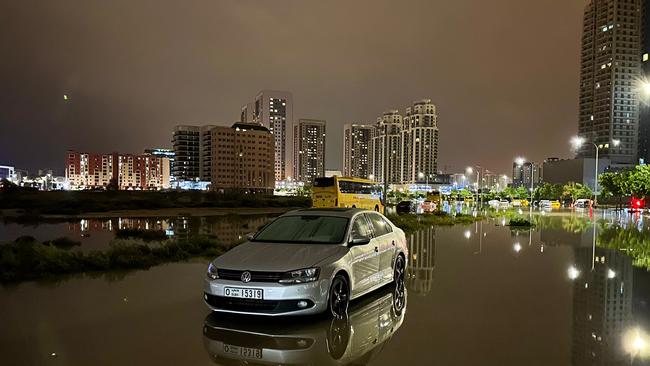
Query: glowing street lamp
pixel 577 142
pixel 573 273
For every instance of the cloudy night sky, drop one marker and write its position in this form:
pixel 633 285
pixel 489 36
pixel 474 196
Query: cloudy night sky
pixel 503 74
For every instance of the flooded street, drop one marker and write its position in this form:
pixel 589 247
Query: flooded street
pixel 481 294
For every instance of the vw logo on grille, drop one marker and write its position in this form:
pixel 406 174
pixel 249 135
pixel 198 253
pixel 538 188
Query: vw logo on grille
pixel 246 276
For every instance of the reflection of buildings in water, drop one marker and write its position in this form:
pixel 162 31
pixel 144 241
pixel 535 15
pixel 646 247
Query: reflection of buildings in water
pixel 226 229
pixel 421 261
pixel 235 340
pixel 231 230
pixel 602 306
pixel 95 225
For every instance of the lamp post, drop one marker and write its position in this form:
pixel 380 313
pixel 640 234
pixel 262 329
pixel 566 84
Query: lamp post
pixel 577 142
pixel 520 161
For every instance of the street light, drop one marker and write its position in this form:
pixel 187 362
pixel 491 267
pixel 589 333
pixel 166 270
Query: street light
pixel 520 161
pixel 577 142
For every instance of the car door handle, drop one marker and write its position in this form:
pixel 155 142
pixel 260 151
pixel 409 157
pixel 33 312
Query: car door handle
pixel 393 242
pixel 376 249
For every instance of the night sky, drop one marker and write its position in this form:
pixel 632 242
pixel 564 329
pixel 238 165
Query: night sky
pixel 503 73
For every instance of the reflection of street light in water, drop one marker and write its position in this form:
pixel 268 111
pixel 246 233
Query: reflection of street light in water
pixel 573 273
pixel 468 234
pixel 517 247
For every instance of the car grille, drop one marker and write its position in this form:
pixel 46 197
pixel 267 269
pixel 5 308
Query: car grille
pixel 254 306
pixel 256 276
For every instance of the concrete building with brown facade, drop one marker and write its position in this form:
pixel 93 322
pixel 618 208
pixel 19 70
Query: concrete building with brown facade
pixel 243 159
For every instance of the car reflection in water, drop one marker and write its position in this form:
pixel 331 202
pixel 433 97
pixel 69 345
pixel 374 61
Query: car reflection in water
pixel 371 322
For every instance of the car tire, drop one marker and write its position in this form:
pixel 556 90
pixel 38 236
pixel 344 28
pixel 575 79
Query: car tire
pixel 339 297
pixel 338 336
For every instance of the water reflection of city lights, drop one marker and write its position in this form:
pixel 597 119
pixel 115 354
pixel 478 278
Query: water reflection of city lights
pixel 517 247
pixel 468 234
pixel 503 222
pixel 611 274
pixel 573 273
pixel 636 342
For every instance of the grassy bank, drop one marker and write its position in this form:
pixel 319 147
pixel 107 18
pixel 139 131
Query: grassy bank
pixel 79 202
pixel 27 259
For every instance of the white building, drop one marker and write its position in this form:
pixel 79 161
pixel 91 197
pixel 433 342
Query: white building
pixel 419 142
pixel 388 137
pixel 273 109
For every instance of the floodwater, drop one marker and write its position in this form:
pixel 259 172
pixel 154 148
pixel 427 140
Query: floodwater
pixel 481 294
pixel 97 233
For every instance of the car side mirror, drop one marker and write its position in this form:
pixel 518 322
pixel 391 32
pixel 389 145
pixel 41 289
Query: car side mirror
pixel 358 241
pixel 250 236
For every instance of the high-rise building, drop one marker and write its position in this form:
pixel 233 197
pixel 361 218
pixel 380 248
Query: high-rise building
pixel 357 156
pixel 523 175
pixel 609 72
pixel 164 153
pixel 127 171
pixel 273 109
pixel 191 145
pixel 419 142
pixel 644 105
pixel 242 159
pixel 387 147
pixel 309 150
pixel 247 113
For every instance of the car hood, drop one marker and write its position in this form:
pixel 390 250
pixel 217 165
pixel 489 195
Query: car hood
pixel 276 257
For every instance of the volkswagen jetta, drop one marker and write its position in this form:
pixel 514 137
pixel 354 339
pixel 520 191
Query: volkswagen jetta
pixel 307 262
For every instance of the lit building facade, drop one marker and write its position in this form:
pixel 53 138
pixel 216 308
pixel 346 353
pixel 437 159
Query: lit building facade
pixel 273 109
pixel 309 150
pixel 357 154
pixel 387 147
pixel 609 74
pixel 419 142
pixel 242 159
pixel 136 172
pixel 523 175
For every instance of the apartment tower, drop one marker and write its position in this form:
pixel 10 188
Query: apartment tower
pixel 309 150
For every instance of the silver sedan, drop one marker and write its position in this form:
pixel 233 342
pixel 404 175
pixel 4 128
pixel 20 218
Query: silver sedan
pixel 307 262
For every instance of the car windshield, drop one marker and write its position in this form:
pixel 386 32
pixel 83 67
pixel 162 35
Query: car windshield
pixel 304 229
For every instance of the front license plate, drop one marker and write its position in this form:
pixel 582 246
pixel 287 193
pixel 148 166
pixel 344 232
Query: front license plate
pixel 244 293
pixel 254 353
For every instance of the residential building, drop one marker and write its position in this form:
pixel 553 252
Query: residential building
pixel 164 153
pixel 644 104
pixel 419 142
pixel 247 113
pixel 609 72
pixel 333 172
pixel 273 109
pixel 526 175
pixel 309 150
pixel 191 145
pixel 127 171
pixel 357 155
pixel 387 147
pixel 242 159
pixel 8 173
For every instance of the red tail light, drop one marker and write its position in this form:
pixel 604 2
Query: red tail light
pixel 637 203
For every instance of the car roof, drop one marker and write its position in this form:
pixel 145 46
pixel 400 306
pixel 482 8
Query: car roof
pixel 335 211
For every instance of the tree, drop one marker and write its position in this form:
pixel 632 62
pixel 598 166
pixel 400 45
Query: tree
pixel 639 181
pixel 615 184
pixel 574 191
pixel 548 191
pixel 112 185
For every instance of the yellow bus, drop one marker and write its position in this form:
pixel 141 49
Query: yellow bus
pixel 347 192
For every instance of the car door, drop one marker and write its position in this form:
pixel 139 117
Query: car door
pixel 383 234
pixel 365 258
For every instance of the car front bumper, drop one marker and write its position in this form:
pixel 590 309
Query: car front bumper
pixel 278 299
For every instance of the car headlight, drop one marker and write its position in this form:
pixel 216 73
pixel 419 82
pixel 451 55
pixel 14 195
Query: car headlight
pixel 212 272
pixel 300 276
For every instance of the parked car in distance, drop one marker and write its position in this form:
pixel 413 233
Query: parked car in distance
pixel 405 207
pixel 550 204
pixel 306 262
pixel 515 203
pixel 504 204
pixel 428 207
pixel 582 203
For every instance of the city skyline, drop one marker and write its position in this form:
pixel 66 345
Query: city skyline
pixel 128 92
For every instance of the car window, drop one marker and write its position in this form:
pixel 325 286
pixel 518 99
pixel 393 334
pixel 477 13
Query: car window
pixel 304 229
pixel 379 226
pixel 360 229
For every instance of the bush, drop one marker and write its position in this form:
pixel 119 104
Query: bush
pixel 520 222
